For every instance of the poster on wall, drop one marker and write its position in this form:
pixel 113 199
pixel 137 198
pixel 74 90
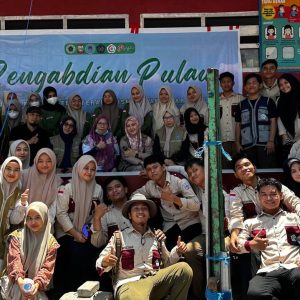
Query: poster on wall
pixel 280 33
pixel 88 64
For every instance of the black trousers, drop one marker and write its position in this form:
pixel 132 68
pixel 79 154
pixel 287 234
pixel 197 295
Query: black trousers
pixel 275 285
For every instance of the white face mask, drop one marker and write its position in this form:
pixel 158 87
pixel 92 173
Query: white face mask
pixel 35 103
pixel 52 100
pixel 12 114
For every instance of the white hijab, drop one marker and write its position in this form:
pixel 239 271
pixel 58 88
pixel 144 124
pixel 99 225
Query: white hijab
pixel 159 109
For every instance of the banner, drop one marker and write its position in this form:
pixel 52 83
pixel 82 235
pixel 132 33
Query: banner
pixel 88 64
pixel 280 32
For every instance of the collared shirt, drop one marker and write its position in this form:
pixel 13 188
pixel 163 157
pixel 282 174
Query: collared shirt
pixel 66 207
pixel 228 109
pixel 244 204
pixel 283 234
pixel 184 216
pixel 111 221
pixel 271 92
pixel 139 255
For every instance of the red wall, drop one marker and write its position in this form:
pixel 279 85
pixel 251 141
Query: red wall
pixel 132 7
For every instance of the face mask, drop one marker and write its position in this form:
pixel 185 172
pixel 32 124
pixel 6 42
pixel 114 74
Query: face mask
pixel 35 103
pixel 52 100
pixel 12 114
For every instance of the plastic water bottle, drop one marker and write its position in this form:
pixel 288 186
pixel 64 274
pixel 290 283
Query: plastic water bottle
pixel 28 284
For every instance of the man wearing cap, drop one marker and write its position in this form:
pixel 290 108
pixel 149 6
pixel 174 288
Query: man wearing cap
pixel 35 136
pixel 139 272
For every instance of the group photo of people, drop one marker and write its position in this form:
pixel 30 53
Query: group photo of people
pixel 68 216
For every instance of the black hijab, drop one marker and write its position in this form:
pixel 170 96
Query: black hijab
pixel 289 103
pixel 68 141
pixel 289 181
pixel 198 128
pixel 48 106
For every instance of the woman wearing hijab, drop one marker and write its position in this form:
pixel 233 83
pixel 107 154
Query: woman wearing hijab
pixel 196 100
pixel 291 168
pixel 20 149
pixel 111 110
pixel 102 145
pixel 135 146
pixel 165 102
pixel 31 255
pixel 42 181
pixel 83 119
pixel 52 111
pixel 12 119
pixel 75 208
pixel 12 202
pixel 140 108
pixel 288 108
pixel 195 137
pixel 34 99
pixel 168 139
pixel 65 146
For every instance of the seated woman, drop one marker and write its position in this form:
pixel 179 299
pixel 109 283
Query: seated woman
pixel 196 100
pixel 12 203
pixel 135 146
pixel 34 99
pixel 11 119
pixel 75 208
pixel 165 102
pixel 140 108
pixel 21 150
pixel 52 111
pixel 102 145
pixel 195 137
pixel 111 110
pixel 42 181
pixel 168 139
pixel 65 146
pixel 83 119
pixel 31 255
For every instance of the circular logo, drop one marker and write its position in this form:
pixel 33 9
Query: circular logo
pixel 100 48
pixel 111 48
pixel 89 48
pixel 70 48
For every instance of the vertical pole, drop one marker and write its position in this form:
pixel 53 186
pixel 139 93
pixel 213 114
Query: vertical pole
pixel 214 179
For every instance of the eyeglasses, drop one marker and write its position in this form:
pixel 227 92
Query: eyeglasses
pixel 71 125
pixel 10 170
pixel 34 219
pixel 168 117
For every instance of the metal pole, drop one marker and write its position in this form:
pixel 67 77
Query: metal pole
pixel 214 179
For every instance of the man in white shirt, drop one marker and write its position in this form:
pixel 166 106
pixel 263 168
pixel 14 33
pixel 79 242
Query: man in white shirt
pixel 276 234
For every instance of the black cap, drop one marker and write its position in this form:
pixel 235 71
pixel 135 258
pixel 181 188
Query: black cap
pixel 34 109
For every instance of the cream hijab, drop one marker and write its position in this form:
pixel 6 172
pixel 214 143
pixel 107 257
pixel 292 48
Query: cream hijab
pixel 139 109
pixel 33 248
pixel 78 115
pixel 159 109
pixel 12 152
pixel 199 105
pixel 8 188
pixel 42 187
pixel 82 191
pixel 34 245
